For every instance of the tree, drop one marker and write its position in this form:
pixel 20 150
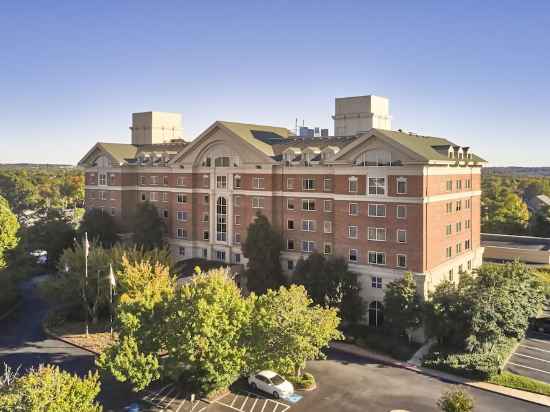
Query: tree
pixel 19 191
pixel 402 311
pixel 48 388
pixel 540 224
pixel 330 282
pixel 456 401
pixel 8 230
pixel 148 227
pixel 208 318
pixel 100 226
pixel 142 324
pixel 505 212
pixel 286 330
pixel 263 250
pixel 53 233
pixel 447 314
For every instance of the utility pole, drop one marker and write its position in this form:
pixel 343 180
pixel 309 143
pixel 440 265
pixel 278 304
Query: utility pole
pixel 85 288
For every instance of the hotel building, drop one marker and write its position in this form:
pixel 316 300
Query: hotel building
pixel 388 201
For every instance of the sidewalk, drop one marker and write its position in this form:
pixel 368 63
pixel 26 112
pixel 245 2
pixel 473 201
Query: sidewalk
pixel 513 393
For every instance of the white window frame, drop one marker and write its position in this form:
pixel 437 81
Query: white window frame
pixel 237 220
pixel 258 202
pixel 310 246
pixel 181 198
pixel 353 232
pixel 376 282
pixel 290 204
pixel 327 226
pixel 376 255
pixel 329 244
pixel 221 182
pixel 356 205
pixel 355 181
pixel 402 207
pixel 403 180
pixel 355 253
pixel 327 184
pixel 309 225
pixel 307 187
pixel 377 234
pixel 400 255
pixel 153 196
pixel 308 205
pixel 181 233
pixel 258 183
pixel 290 183
pixel 397 236
pixel 181 215
pixel 325 203
pixel 376 189
pixel 293 224
pixel 377 206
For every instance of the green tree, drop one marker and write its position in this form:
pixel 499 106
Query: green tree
pixel 53 233
pixel 142 324
pixel 8 230
pixel 540 224
pixel 402 309
pixel 207 319
pixel 447 314
pixel 263 250
pixel 330 282
pixel 20 192
pixel 286 330
pixel 100 226
pixel 456 401
pixel 505 212
pixel 148 227
pixel 49 389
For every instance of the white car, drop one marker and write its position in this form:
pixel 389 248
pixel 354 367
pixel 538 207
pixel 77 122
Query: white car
pixel 272 383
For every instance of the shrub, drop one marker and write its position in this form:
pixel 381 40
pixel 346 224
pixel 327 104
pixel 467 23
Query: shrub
pixel 456 401
pixel 476 365
pixel 49 388
pixel 305 381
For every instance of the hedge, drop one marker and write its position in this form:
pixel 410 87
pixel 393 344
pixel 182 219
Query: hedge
pixel 472 365
pixel 306 381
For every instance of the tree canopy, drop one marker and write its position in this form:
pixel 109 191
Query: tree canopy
pixel 9 227
pixel 402 309
pixel 262 248
pixel 148 227
pixel 100 227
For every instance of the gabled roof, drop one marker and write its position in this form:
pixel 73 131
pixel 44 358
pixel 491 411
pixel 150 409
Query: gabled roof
pixel 124 153
pixel 120 151
pixel 424 146
pixel 261 137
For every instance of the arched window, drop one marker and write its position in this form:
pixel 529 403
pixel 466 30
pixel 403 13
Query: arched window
pixel 221 219
pixel 374 158
pixel 376 316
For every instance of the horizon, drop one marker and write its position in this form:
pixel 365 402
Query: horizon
pixel 473 73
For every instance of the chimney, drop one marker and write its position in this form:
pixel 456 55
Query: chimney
pixel 155 127
pixel 361 113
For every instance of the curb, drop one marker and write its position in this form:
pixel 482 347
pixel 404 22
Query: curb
pixel 10 310
pixel 54 336
pixel 544 400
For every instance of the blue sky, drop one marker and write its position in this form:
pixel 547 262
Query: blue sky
pixel 71 73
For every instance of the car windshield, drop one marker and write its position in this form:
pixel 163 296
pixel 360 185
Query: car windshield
pixel 277 380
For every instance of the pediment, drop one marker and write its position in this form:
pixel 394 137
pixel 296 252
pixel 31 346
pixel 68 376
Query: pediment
pixel 218 141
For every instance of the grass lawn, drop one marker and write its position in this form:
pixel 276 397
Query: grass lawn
pixel 97 340
pixel 511 380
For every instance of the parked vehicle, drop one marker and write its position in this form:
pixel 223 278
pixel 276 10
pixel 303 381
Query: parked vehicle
pixel 272 383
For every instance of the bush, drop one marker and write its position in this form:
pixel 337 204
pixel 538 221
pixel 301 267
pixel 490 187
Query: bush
pixel 514 381
pixel 305 381
pixel 49 388
pixel 8 293
pixel 456 401
pixel 476 365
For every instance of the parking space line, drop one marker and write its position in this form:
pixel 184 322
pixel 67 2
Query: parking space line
pixel 531 357
pixel 254 404
pixel 181 404
pixel 172 389
pixel 528 367
pixel 535 348
pixel 158 393
pixel 173 399
pixel 234 399
pixel 540 341
pixel 265 403
pixel 242 406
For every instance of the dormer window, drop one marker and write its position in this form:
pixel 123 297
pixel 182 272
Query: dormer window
pixel 451 153
pixel 375 158
pixel 222 161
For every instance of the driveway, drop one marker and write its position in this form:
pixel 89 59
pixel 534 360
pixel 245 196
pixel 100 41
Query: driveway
pixel 532 357
pixel 24 344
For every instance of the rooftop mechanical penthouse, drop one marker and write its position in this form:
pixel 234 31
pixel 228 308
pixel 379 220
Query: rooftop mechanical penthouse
pixel 387 201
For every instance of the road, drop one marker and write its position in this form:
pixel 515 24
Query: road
pixel 346 383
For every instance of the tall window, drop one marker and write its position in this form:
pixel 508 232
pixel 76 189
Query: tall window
pixel 377 234
pixel 377 185
pixel 377 258
pixel 308 184
pixel 308 225
pixel 377 210
pixel 352 184
pixel 237 182
pixel 221 182
pixel 221 219
pixel 258 182
pixel 181 198
pixel 401 185
pixel 353 231
pixel 102 179
pixel 308 246
pixel 353 209
pixel 376 317
pixel 308 205
pixel 327 184
pixel 401 212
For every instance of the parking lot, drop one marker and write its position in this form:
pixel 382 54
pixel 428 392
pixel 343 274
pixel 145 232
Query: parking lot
pixel 245 401
pixel 532 357
pixel 171 398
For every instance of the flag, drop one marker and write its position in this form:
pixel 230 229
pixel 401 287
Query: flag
pixel 86 245
pixel 112 279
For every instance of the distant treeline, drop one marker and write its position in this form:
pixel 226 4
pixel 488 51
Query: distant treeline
pixel 12 166
pixel 517 171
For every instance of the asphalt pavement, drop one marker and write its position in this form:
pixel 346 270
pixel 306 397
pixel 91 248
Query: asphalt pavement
pixel 532 357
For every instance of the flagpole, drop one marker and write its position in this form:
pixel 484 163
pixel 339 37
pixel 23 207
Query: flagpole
pixel 86 248
pixel 111 289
